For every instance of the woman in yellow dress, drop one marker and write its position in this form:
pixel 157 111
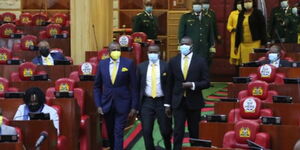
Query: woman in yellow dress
pixel 231 27
pixel 251 30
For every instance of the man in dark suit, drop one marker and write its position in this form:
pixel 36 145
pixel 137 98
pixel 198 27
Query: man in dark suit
pixel 115 93
pixel 152 80
pixel 47 58
pixel 274 58
pixel 187 77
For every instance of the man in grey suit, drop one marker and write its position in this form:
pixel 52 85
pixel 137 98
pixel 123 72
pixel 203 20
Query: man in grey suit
pixel 5 129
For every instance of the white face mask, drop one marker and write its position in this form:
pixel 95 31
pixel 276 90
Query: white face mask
pixel 205 6
pixel 273 57
pixel 248 5
pixel 295 11
pixel 197 8
pixel 239 7
pixel 284 4
pixel 185 49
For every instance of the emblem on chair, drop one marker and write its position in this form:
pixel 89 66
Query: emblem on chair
pixel 86 68
pixel 1 87
pixel 124 41
pixel 53 31
pixel 25 20
pixel 59 20
pixel 257 91
pixel 64 87
pixel 39 22
pixel 3 57
pixel 7 19
pixel 8 31
pixel 29 43
pixel 265 71
pixel 137 40
pixel 245 132
pixel 27 72
pixel 249 105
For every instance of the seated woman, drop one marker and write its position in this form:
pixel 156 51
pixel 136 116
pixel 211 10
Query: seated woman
pixel 34 102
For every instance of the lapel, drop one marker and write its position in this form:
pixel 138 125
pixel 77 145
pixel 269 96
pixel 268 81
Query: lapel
pixel 192 63
pixel 144 72
pixel 178 64
pixel 161 68
pixel 119 70
pixel 106 64
pixel 40 60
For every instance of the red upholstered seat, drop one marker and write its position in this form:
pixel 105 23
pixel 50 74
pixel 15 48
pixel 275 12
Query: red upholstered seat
pixel 268 73
pixel 8 17
pixel 52 30
pixel 259 89
pixel 25 72
pixel 243 131
pixel 62 141
pixel 7 29
pixel 5 54
pixel 60 18
pixel 4 87
pixel 86 68
pixel 38 19
pixel 26 42
pixel 102 54
pixel 249 109
pixel 126 41
pixel 25 19
pixel 139 37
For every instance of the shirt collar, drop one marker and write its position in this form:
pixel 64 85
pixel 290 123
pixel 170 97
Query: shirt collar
pixel 111 61
pixel 189 55
pixel 149 14
pixel 156 63
pixel 49 56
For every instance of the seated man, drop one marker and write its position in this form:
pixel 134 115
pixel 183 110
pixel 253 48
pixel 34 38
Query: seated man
pixel 34 102
pixel 5 129
pixel 274 58
pixel 47 58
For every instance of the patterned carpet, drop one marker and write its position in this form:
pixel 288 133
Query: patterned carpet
pixel 133 139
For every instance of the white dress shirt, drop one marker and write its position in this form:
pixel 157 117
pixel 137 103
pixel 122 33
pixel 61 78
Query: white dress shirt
pixel 275 63
pixel 49 57
pixel 148 89
pixel 189 57
pixel 47 109
pixel 111 66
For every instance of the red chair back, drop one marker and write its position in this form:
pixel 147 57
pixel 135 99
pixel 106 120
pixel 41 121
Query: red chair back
pixel 25 19
pixel 139 37
pixel 250 108
pixel 64 85
pixel 87 69
pixel 258 89
pixel 103 54
pixel 3 86
pixel 8 17
pixel 266 73
pixel 245 130
pixel 39 18
pixel 7 29
pixel 5 55
pixel 27 41
pixel 27 70
pixel 60 18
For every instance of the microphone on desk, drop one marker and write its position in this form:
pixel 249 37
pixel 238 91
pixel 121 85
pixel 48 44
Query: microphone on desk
pixel 41 139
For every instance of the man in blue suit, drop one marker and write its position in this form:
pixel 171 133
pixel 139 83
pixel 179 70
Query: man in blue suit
pixel 47 58
pixel 115 93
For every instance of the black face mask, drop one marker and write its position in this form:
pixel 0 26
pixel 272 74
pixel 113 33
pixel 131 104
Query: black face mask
pixel 44 51
pixel 34 108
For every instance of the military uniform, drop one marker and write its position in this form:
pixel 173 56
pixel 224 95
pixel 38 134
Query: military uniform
pixel 147 23
pixel 212 15
pixel 200 29
pixel 284 22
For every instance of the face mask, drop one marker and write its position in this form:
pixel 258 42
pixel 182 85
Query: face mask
pixel 153 57
pixel 115 55
pixel 239 7
pixel 205 6
pixel 295 11
pixel 197 8
pixel 33 108
pixel 284 4
pixel 185 49
pixel 248 5
pixel 44 51
pixel 273 57
pixel 149 9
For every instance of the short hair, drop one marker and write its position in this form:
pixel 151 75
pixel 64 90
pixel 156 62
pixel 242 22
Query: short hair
pixel 187 37
pixel 148 3
pixel 38 92
pixel 45 42
pixel 113 43
pixel 154 45
pixel 276 48
pixel 196 2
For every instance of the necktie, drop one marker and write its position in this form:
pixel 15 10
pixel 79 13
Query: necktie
pixel 114 73
pixel 153 81
pixel 185 67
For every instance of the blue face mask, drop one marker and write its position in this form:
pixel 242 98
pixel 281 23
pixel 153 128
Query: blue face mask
pixel 205 6
pixel 273 57
pixel 197 8
pixel 185 49
pixel 284 4
pixel 149 9
pixel 153 57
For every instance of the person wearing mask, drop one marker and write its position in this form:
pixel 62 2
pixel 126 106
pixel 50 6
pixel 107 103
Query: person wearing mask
pixel 152 80
pixel 198 26
pixel 187 77
pixel 295 24
pixel 115 93
pixel 34 102
pixel 274 58
pixel 5 129
pixel 280 24
pixel 212 15
pixel 235 58
pixel 250 30
pixel 146 22
pixel 46 57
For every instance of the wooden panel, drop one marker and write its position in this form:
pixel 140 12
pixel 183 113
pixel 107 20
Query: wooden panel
pixel 131 4
pixel 179 4
pixel 33 4
pixel 172 30
pixel 162 22
pixel 172 54
pixel 58 4
pixel 173 41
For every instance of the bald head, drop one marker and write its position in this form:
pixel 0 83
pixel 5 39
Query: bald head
pixel 186 41
pixel 44 44
pixel 275 49
pixel 114 46
pixel 154 49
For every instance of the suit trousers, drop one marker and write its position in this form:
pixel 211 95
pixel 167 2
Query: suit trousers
pixel 152 109
pixel 181 114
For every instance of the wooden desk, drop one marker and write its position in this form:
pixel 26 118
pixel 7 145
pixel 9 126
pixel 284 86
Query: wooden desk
pixel 12 146
pixel 283 137
pixel 289 113
pixel 294 55
pixel 24 85
pixel 289 72
pixel 31 132
pixel 292 90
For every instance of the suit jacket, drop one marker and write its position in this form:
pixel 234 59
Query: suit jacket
pixel 282 63
pixel 142 76
pixel 197 73
pixel 56 56
pixel 123 93
pixel 8 130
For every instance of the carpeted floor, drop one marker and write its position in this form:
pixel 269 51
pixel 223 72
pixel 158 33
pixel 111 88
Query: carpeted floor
pixel 133 139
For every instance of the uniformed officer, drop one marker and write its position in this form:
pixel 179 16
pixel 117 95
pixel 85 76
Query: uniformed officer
pixel 198 26
pixel 281 24
pixel 212 15
pixel 146 22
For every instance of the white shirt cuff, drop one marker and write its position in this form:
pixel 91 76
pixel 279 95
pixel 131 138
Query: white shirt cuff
pixel 193 87
pixel 167 105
